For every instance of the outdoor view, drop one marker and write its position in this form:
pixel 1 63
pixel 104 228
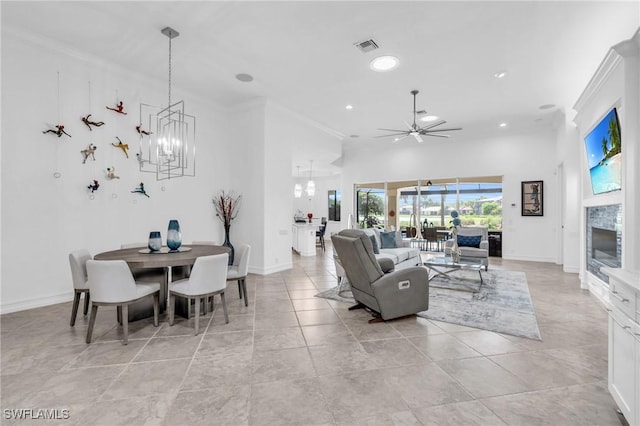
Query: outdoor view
pixel 479 204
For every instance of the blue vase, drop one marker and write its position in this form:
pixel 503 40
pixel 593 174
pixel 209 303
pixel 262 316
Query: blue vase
pixel 174 236
pixel 155 241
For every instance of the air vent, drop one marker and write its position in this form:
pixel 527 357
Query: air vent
pixel 366 46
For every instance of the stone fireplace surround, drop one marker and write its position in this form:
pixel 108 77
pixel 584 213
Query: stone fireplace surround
pixel 607 217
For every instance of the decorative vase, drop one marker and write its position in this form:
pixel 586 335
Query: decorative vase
pixel 174 236
pixel 155 241
pixel 310 216
pixel 227 243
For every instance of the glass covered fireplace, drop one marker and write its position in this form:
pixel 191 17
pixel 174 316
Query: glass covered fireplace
pixel 604 238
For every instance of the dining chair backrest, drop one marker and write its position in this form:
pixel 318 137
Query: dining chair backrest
pixel 133 245
pixel 209 274
pixel 110 281
pixel 78 261
pixel 241 259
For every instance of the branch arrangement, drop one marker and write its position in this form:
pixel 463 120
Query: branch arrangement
pixel 227 205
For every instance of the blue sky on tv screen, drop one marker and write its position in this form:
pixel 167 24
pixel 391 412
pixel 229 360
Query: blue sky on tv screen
pixel 594 140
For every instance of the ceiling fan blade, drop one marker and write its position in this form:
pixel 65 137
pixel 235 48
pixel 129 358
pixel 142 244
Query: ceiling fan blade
pixel 432 125
pixel 392 134
pixel 393 130
pixel 399 139
pixel 418 138
pixel 408 125
pixel 436 136
pixel 443 130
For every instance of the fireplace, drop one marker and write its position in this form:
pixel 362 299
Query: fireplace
pixel 604 239
pixel 604 246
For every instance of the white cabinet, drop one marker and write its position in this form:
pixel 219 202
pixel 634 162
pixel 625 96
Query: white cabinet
pixel 623 305
pixel 304 239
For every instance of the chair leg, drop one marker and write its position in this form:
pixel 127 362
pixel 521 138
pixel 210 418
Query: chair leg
pixel 74 309
pixel 172 309
pixel 197 319
pixel 224 307
pixel 119 314
pixel 240 289
pixel 204 305
pixel 244 290
pixel 87 296
pixel 125 324
pixel 92 321
pixel 156 308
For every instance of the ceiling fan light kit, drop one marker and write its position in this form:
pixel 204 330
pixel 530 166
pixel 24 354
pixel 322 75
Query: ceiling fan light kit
pixel 416 131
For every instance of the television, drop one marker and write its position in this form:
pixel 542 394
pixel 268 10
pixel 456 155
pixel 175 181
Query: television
pixel 604 154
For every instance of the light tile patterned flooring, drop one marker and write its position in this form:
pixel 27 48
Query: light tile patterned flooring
pixel 290 358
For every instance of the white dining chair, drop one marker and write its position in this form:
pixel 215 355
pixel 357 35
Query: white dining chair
pixel 208 278
pixel 238 271
pixel 78 261
pixel 111 283
pixel 134 245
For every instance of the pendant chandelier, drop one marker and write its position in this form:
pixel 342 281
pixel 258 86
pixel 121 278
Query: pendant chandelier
pixel 297 188
pixel 311 185
pixel 170 151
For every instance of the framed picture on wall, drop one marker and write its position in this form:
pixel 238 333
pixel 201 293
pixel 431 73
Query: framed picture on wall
pixel 532 198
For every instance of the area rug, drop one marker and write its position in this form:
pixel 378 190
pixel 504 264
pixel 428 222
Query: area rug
pixel 502 304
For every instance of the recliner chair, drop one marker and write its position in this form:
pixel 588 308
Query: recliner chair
pixel 392 295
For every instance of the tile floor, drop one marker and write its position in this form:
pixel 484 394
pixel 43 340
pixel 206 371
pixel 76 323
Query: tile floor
pixel 290 358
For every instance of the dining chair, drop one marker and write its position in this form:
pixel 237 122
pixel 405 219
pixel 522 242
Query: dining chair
pixel 208 278
pixel 111 283
pixel 78 261
pixel 239 270
pixel 320 233
pixel 133 245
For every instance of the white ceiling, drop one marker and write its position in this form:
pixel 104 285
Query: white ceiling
pixel 302 55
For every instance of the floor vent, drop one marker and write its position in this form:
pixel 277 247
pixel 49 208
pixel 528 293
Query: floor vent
pixel 366 46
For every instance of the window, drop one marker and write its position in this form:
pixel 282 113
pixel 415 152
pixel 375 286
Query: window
pixel 334 205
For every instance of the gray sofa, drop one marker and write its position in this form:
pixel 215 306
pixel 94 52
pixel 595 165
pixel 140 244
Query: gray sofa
pixel 402 255
pixel 392 295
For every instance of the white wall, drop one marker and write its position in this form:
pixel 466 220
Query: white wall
pixel 516 157
pixel 44 218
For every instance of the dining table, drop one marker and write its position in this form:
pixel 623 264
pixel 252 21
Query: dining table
pixel 158 266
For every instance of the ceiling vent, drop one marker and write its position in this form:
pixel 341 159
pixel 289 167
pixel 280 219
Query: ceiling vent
pixel 366 46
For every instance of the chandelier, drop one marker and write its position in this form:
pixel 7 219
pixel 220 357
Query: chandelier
pixel 311 185
pixel 170 150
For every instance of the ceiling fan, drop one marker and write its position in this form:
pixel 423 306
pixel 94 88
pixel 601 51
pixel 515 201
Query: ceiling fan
pixel 417 131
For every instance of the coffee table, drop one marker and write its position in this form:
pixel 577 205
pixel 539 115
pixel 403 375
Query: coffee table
pixel 442 266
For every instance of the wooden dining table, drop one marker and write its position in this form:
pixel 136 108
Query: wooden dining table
pixel 145 266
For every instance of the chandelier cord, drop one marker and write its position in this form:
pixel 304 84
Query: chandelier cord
pixel 170 71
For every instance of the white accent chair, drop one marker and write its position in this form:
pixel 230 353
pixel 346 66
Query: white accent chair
pixel 78 261
pixel 480 253
pixel 111 283
pixel 208 278
pixel 239 270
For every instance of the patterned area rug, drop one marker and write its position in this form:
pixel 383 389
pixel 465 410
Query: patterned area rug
pixel 503 303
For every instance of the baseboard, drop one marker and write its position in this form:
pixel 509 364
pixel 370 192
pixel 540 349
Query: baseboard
pixel 23 305
pixel 571 269
pixel 272 269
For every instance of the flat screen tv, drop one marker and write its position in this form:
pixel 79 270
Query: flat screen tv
pixel 604 154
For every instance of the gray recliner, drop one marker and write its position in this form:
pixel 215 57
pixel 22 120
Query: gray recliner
pixel 392 295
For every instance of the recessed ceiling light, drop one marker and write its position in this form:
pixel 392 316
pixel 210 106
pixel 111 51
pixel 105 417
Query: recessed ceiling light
pixel 244 77
pixel 429 118
pixel 349 107
pixel 500 74
pixel 547 106
pixel 384 63
pixel 502 124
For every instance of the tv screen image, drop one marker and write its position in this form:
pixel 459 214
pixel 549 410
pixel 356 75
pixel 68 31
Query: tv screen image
pixel 604 154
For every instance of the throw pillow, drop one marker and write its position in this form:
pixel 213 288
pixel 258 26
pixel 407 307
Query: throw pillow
pixel 374 243
pixel 469 241
pixel 388 239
